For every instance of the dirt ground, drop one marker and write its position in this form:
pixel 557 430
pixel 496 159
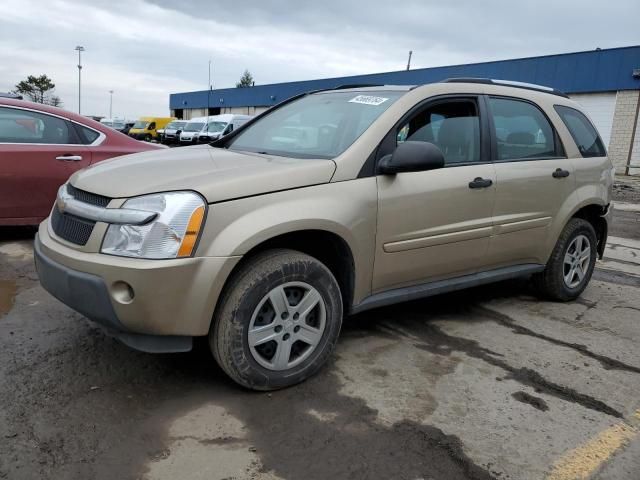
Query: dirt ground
pixel 490 383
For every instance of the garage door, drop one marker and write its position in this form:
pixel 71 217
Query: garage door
pixel 600 107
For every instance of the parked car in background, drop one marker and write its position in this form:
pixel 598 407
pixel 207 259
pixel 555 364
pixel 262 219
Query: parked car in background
pixel 146 128
pixel 221 125
pixel 127 127
pixel 40 147
pixel 11 95
pixel 172 132
pixel 192 129
pixel 118 124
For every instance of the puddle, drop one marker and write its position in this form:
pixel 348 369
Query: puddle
pixel 8 290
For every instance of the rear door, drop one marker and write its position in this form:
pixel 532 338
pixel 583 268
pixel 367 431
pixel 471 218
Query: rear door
pixel 38 153
pixel 437 223
pixel 534 180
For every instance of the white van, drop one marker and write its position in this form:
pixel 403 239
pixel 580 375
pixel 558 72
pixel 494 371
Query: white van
pixel 191 130
pixel 221 125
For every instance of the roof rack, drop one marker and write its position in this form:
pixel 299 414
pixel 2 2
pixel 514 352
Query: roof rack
pixel 508 83
pixel 356 85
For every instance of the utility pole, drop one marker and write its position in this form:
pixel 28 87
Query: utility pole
pixel 208 95
pixel 409 61
pixel 111 104
pixel 80 49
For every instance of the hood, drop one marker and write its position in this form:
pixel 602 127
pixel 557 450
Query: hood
pixel 215 173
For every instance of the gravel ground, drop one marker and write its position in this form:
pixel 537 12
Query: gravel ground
pixel 480 384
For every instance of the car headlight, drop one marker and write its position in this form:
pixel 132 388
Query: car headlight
pixel 173 233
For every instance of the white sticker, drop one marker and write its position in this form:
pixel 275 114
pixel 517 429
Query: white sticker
pixel 368 100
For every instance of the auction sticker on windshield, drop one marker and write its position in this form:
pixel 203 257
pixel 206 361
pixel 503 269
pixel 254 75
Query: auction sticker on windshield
pixel 368 100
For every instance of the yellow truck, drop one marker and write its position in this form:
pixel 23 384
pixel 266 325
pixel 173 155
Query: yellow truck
pixel 146 128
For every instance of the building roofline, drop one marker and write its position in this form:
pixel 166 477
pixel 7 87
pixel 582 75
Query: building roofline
pixel 457 65
pixel 588 70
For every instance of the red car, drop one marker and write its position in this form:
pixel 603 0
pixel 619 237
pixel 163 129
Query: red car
pixel 40 147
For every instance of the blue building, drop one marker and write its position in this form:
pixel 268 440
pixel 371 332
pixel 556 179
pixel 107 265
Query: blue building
pixel 605 81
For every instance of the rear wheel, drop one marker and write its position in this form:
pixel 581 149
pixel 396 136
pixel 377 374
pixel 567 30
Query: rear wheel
pixel 572 261
pixel 278 322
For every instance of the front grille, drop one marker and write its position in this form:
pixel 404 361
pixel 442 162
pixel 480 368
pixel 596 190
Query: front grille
pixel 87 197
pixel 75 229
pixel 71 228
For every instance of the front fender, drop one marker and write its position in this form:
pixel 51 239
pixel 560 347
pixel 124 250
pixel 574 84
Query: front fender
pixel 347 209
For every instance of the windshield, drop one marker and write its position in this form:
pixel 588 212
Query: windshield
pixel 321 125
pixel 175 125
pixel 117 125
pixel 108 124
pixel 193 127
pixel 141 124
pixel 216 127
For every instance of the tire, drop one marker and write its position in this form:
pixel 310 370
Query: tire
pixel 246 311
pixel 551 282
pixel 147 138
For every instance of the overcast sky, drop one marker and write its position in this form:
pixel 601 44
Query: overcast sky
pixel 147 49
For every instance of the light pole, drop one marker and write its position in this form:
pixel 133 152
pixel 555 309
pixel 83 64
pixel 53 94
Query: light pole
pixel 111 104
pixel 80 49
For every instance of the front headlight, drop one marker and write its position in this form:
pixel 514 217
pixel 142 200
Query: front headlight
pixel 173 233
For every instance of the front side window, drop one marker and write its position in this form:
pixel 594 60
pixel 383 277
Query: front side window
pixel 522 131
pixel 321 125
pixel 24 126
pixel 152 126
pixel 453 126
pixel 582 131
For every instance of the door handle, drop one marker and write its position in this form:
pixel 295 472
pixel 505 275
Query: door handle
pixel 560 173
pixel 69 158
pixel 480 182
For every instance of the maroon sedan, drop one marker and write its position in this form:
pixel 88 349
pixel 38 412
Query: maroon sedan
pixel 40 147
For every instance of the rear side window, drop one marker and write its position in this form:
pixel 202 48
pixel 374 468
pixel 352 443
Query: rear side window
pixel 26 126
pixel 582 131
pixel 87 135
pixel 522 131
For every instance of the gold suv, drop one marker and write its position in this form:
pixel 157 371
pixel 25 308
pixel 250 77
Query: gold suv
pixel 331 203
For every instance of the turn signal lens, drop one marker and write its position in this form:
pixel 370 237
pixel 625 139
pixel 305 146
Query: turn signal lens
pixel 191 235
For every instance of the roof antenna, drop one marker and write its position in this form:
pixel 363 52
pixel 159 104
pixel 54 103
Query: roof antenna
pixel 409 61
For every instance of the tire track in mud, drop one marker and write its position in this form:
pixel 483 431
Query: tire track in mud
pixel 434 340
pixel 505 320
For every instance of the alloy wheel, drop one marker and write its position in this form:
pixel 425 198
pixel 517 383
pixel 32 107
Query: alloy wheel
pixel 576 261
pixel 287 326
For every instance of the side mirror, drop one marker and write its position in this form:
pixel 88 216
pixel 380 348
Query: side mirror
pixel 412 157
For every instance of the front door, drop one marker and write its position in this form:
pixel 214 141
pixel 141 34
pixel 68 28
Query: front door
pixel 38 153
pixel 437 223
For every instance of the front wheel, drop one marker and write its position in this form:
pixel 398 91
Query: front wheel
pixel 278 322
pixel 147 138
pixel 572 261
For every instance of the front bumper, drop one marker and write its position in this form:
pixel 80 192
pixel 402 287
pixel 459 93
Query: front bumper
pixel 138 136
pixel 172 301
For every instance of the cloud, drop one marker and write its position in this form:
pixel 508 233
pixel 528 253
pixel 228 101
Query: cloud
pixel 146 50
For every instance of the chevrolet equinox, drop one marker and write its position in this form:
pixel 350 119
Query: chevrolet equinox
pixel 331 203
